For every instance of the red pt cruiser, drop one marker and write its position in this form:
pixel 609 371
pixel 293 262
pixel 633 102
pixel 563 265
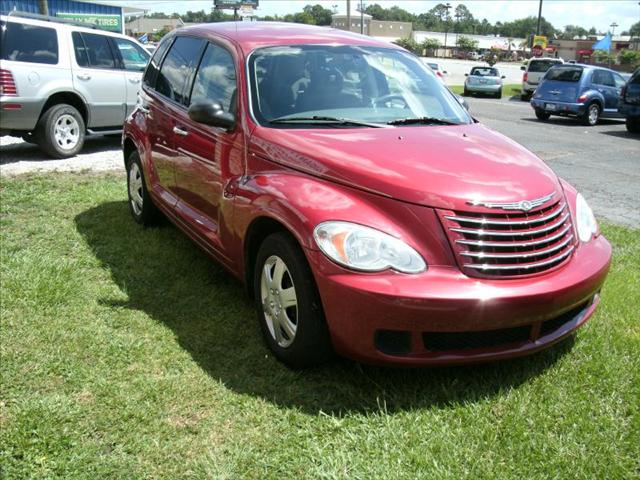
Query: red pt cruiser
pixel 364 208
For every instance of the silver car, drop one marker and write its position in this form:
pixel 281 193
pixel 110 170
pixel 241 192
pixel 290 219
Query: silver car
pixel 60 81
pixel 486 80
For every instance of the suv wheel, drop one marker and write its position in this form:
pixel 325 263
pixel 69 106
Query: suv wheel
pixel 633 125
pixel 592 115
pixel 288 304
pixel 141 206
pixel 60 131
pixel 542 115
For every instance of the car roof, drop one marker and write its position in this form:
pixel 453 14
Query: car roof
pixel 251 35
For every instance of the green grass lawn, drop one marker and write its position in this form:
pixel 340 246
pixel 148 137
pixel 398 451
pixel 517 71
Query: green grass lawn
pixel 508 90
pixel 127 353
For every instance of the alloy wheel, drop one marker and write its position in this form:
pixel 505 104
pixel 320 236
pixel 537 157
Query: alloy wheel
pixel 66 132
pixel 279 301
pixel 135 188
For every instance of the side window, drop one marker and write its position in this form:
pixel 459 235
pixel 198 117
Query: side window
pixel 153 68
pixel 178 67
pixel 216 78
pixel 602 77
pixel 619 81
pixel 28 43
pixel 134 58
pixel 97 51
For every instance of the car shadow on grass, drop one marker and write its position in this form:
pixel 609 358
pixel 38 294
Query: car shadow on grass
pixel 167 277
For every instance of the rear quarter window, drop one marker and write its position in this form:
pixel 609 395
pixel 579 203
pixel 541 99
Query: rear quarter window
pixel 29 43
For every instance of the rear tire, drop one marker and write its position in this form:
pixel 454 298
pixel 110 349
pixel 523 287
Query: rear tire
pixel 288 304
pixel 633 125
pixel 525 97
pixel 499 94
pixel 141 206
pixel 542 115
pixel 592 115
pixel 465 93
pixel 60 131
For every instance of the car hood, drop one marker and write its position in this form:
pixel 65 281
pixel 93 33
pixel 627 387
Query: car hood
pixel 436 166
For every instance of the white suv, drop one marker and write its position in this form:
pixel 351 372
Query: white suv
pixel 59 81
pixel 534 70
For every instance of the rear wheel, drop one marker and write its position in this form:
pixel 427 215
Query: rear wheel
pixel 542 115
pixel 60 131
pixel 524 96
pixel 465 93
pixel 499 94
pixel 141 206
pixel 592 115
pixel 633 125
pixel 288 304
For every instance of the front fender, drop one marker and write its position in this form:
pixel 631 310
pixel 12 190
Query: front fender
pixel 300 202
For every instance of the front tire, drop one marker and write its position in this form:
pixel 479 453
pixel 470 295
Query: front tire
pixel 633 125
pixel 592 115
pixel 60 131
pixel 542 115
pixel 141 206
pixel 288 304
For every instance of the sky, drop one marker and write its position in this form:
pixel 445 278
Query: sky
pixel 559 12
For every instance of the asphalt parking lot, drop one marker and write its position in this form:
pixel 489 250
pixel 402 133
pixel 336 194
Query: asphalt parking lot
pixel 603 162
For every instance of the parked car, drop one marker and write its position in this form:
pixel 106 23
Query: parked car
pixel 437 70
pixel 583 91
pixel 60 81
pixel 485 80
pixel 473 56
pixel 629 104
pixel 534 69
pixel 363 207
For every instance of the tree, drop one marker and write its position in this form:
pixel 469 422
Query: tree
pixel 634 31
pixel 430 45
pixel 467 44
pixel 321 15
pixel 572 31
pixel 629 57
pixel 409 44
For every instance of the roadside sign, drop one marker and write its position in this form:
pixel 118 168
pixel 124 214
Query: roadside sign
pixel 233 4
pixel 540 40
pixel 111 23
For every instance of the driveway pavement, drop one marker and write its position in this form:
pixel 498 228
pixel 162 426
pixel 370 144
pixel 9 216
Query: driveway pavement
pixel 603 162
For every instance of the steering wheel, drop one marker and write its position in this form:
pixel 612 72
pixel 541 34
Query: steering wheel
pixel 389 100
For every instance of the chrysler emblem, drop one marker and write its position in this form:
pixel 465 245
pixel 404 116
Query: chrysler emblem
pixel 525 205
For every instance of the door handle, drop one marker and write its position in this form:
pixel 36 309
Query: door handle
pixel 84 76
pixel 143 109
pixel 180 131
pixel 134 80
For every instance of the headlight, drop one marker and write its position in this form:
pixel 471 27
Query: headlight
pixel 585 220
pixel 363 248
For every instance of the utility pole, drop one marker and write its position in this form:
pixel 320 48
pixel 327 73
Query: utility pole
pixel 349 15
pixel 539 18
pixel 613 29
pixel 446 26
pixel 43 6
pixel 361 17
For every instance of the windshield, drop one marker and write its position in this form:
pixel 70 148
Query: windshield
pixel 312 84
pixel 564 74
pixel 541 65
pixel 484 72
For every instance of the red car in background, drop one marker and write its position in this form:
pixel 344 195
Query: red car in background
pixel 362 206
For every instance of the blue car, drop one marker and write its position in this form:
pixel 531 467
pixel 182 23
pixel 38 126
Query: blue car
pixel 583 91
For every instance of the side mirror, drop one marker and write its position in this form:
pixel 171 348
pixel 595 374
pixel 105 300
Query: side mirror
pixel 211 114
pixel 503 76
pixel 466 74
pixel 522 67
pixel 444 72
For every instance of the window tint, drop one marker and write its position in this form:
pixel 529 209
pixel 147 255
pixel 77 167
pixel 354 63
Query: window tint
pixel 619 81
pixel 216 78
pixel 28 43
pixel 134 58
pixel 93 51
pixel 485 72
pixel 154 64
pixel 178 67
pixel 602 77
pixel 564 74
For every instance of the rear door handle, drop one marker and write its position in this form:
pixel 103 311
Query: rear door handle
pixel 84 76
pixel 180 131
pixel 143 109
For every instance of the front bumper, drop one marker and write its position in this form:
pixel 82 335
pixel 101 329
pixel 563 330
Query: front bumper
pixel 558 108
pixel 444 305
pixel 19 113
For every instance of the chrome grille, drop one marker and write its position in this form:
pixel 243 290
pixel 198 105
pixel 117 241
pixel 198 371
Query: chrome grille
pixel 514 243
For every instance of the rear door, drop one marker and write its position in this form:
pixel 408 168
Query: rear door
pixel 132 59
pixel 604 82
pixel 99 80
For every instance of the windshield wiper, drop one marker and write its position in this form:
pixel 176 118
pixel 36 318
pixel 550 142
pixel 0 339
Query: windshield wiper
pixel 319 120
pixel 421 120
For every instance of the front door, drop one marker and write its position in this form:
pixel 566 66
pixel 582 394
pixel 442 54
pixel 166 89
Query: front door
pixel 98 78
pixel 208 156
